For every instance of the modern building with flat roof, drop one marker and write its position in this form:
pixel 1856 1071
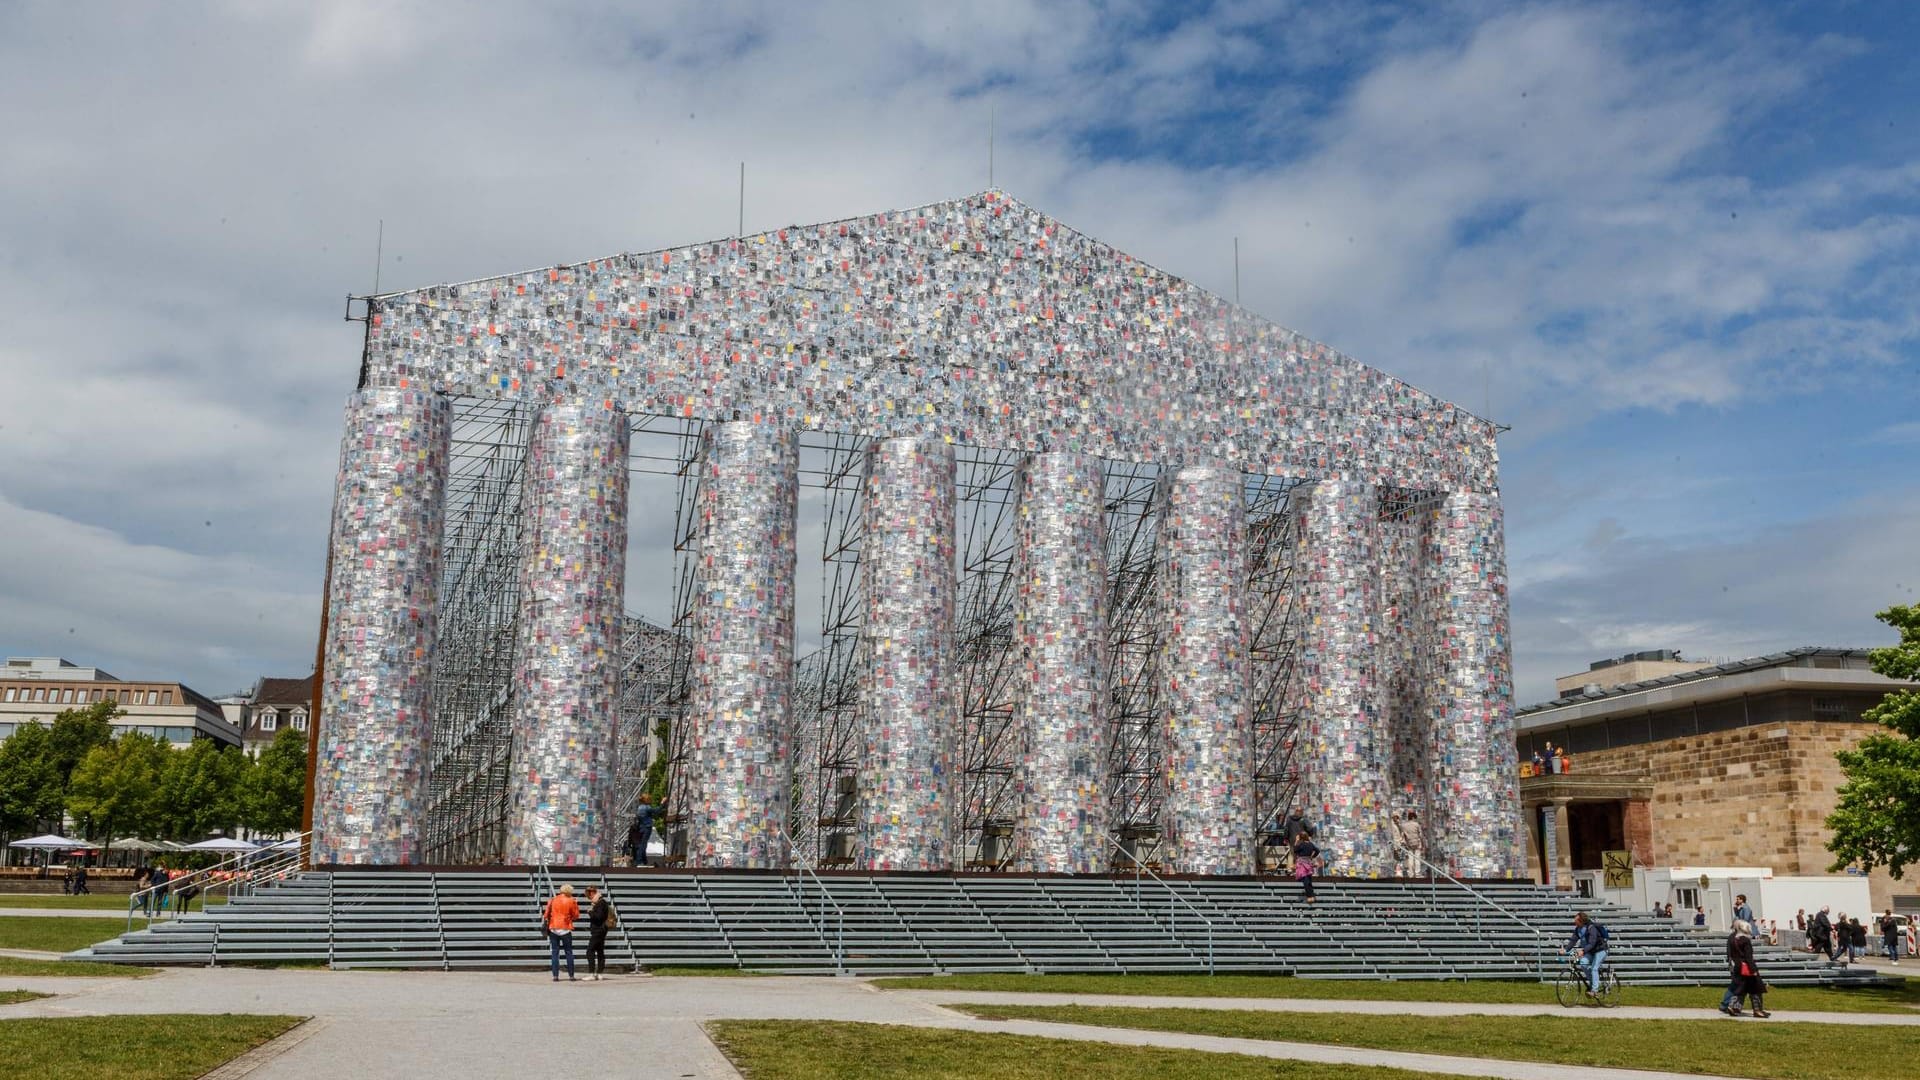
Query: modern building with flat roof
pixel 1730 764
pixel 38 688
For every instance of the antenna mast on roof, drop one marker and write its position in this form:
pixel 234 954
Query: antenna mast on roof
pixel 379 246
pixel 740 228
pixel 1236 271
pixel 991 116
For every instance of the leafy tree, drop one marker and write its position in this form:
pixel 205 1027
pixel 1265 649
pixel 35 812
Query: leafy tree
pixel 200 789
pixel 274 788
pixel 29 780
pixel 76 731
pixel 1877 818
pixel 115 789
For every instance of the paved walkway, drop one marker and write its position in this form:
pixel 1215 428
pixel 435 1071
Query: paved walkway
pixel 1394 1008
pixel 64 913
pixel 477 1025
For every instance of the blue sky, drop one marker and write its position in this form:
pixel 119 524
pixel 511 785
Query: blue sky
pixel 1675 250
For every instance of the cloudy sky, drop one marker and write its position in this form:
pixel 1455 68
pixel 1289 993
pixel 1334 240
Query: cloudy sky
pixel 1676 252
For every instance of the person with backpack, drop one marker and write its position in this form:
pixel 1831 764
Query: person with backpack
pixel 600 919
pixel 556 920
pixel 1589 945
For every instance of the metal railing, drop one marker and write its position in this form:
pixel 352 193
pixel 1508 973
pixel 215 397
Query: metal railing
pixel 238 874
pixel 1433 881
pixel 1140 867
pixel 839 914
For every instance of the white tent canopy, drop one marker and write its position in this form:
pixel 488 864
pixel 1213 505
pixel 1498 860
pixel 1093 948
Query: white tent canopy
pixel 52 842
pixel 222 843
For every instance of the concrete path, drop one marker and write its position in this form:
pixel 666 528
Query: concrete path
pixel 1393 1008
pixel 64 913
pixel 478 1025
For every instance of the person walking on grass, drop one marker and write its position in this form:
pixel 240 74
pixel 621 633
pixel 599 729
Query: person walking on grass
pixel 557 920
pixel 1744 973
pixel 600 919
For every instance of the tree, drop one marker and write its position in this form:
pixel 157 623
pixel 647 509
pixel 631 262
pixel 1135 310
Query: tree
pixel 115 789
pixel 76 731
pixel 199 790
pixel 274 789
pixel 1877 818
pixel 29 779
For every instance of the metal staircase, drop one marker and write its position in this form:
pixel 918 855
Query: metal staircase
pixel 879 924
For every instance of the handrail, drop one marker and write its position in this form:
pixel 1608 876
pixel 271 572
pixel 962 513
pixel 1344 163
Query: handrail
pixel 1539 957
pixel 1138 867
pixel 626 932
pixel 227 872
pixel 839 913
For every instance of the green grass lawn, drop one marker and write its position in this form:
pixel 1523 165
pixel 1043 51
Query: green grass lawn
pixel 15 997
pixel 54 934
pixel 92 902
pixel 833 1050
pixel 1728 1047
pixel 1900 998
pixel 15 965
pixel 131 1047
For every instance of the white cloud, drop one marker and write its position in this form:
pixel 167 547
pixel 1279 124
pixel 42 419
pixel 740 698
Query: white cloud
pixel 1546 194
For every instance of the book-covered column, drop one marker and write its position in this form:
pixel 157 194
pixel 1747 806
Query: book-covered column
pixel 740 687
pixel 1207 822
pixel 370 776
pixel 1473 775
pixel 1060 631
pixel 1345 751
pixel 907 777
pixel 566 665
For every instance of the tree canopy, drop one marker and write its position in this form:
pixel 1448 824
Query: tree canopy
pixel 128 784
pixel 1876 821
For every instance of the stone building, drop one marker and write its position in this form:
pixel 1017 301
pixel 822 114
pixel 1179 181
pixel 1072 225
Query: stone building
pixel 1728 765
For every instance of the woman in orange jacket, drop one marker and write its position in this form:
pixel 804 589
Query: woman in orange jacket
pixel 557 921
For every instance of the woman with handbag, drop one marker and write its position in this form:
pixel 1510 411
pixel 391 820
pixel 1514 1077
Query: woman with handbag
pixel 1746 973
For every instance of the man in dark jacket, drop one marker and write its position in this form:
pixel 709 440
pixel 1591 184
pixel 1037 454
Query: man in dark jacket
pixel 599 921
pixel 1820 933
pixel 1890 936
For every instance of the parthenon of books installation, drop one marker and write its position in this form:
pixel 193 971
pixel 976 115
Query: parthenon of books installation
pixel 1117 569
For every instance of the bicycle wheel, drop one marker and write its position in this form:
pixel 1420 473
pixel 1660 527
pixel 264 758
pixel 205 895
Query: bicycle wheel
pixel 1609 989
pixel 1569 989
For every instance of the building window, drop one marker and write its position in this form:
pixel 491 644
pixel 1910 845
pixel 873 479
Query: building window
pixel 299 720
pixel 40 694
pixel 96 695
pixel 12 693
pixel 269 720
pixel 166 697
pixel 153 697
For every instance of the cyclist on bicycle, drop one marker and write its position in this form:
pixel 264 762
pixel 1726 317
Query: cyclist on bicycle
pixel 1589 946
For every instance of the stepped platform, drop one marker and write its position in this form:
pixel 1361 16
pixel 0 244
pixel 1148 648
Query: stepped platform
pixel 880 924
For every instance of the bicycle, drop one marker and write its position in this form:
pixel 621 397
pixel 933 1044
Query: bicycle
pixel 1570 988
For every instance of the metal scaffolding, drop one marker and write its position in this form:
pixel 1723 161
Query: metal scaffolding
pixel 473 690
